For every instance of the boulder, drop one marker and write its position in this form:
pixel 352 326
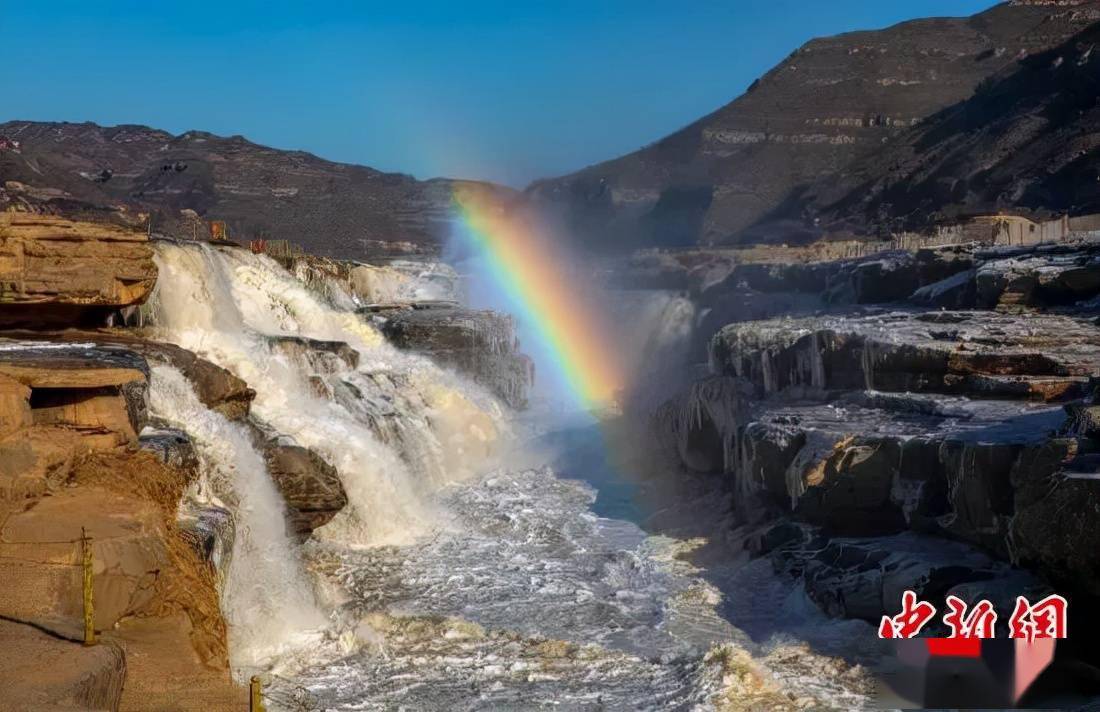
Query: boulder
pixel 310 486
pixel 55 271
pixel 217 388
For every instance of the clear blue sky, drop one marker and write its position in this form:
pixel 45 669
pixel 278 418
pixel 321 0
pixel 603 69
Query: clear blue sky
pixel 508 91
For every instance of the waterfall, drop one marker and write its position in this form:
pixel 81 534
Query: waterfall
pixel 656 343
pixel 267 601
pixel 394 425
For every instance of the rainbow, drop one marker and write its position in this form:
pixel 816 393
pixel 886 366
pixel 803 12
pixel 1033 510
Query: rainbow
pixel 534 277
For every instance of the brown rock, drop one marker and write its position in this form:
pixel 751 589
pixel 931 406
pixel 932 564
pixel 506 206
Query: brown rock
pixel 96 391
pixel 40 559
pixel 15 407
pixel 217 388
pixel 42 672
pixel 59 271
pixel 310 486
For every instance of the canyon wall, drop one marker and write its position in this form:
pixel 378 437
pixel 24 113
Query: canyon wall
pixel 919 421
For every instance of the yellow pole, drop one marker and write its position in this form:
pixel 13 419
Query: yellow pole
pixel 255 700
pixel 89 611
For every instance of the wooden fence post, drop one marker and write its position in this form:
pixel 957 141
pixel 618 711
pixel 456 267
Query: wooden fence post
pixel 255 698
pixel 89 611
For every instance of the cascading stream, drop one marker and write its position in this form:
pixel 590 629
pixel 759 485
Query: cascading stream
pixel 523 595
pixel 393 425
pixel 267 599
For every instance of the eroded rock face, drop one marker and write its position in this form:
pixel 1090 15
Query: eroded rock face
pixel 1039 276
pixel 874 450
pixel 55 271
pixel 57 400
pixel 311 487
pixel 217 388
pixel 479 344
pixel 877 466
pixel 865 578
pixel 975 353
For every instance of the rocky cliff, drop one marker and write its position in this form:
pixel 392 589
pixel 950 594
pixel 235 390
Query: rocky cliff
pixel 74 460
pixel 833 101
pixel 906 421
pixel 126 173
pixel 1026 142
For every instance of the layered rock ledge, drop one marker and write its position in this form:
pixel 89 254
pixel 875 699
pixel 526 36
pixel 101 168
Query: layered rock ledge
pixel 925 421
pixel 478 343
pixel 62 272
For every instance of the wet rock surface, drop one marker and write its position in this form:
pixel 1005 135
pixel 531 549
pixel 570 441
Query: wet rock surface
pixel 310 486
pixel 973 353
pixel 478 343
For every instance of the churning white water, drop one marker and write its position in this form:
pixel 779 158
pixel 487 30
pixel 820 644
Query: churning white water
pixel 461 586
pixel 266 597
pixel 392 424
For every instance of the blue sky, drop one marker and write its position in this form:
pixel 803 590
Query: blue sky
pixel 507 91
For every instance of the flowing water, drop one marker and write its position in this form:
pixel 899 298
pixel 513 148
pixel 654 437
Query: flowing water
pixel 267 598
pixel 483 562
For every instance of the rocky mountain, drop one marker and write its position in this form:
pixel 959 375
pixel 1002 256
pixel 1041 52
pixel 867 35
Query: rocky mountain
pixel 1028 139
pixel 126 172
pixel 832 102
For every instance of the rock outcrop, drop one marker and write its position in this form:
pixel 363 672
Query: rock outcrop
pixel 873 445
pixel 479 344
pixel 72 463
pixel 217 388
pixel 311 487
pixel 55 271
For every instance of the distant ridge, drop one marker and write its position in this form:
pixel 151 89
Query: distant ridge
pixel 330 208
pixel 834 101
